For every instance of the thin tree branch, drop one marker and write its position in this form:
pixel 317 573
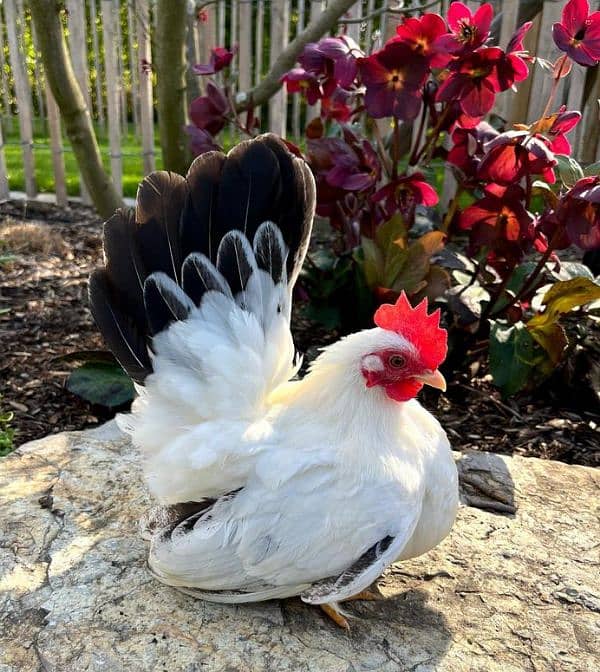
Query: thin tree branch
pixel 389 10
pixel 272 82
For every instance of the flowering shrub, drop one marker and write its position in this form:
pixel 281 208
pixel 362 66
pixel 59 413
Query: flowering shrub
pixel 490 254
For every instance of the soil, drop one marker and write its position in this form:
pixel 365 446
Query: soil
pixel 44 316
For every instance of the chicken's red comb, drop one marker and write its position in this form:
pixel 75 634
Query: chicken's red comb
pixel 421 329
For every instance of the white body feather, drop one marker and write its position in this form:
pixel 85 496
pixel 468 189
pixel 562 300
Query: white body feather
pixel 326 467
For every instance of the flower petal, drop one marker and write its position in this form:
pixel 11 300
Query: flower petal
pixel 574 15
pixel 457 12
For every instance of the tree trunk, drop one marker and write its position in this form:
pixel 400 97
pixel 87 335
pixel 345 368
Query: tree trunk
pixel 73 109
pixel 170 65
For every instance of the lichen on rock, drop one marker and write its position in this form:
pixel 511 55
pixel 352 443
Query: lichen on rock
pixel 514 587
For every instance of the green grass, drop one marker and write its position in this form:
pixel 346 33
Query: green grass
pixel 131 150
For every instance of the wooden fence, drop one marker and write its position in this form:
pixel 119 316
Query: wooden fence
pixel 110 42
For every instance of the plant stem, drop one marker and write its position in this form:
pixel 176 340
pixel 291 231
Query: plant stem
pixel 555 83
pixel 396 149
pixel 528 284
pixel 452 208
pixel 497 294
pixel 418 138
pixel 381 147
pixel 433 137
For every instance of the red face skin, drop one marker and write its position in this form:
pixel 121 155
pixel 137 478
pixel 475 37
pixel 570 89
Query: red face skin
pixel 401 376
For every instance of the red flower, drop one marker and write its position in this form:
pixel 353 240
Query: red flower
pixel 468 147
pixel 473 82
pixel 333 60
pixel 579 213
pixel 554 129
pixel 420 34
pixel 501 209
pixel 469 31
pixel 393 78
pixel 299 80
pixel 220 58
pixel 404 193
pixel 511 66
pixel 345 164
pixel 335 106
pixel 578 34
pixel 514 154
pixel 200 141
pixel 208 112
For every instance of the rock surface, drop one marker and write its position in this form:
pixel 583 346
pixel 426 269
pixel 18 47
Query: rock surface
pixel 508 592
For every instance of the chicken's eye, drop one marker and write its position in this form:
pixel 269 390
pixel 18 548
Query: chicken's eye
pixel 397 361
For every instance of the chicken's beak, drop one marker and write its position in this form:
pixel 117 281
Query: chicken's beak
pixel 434 379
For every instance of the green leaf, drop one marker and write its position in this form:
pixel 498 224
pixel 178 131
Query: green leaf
pixel 592 170
pixel 101 383
pixel 513 356
pixel 372 262
pixel 519 276
pixel 418 258
pixel 329 316
pixel 569 170
pixel 392 231
pixel 391 239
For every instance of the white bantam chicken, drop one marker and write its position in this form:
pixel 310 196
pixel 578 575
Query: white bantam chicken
pixel 268 486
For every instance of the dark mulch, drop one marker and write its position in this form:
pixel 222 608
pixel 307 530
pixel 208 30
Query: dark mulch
pixel 45 286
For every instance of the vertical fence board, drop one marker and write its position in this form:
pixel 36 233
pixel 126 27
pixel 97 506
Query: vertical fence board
pixel 258 42
pixel 77 45
pixel 542 80
pixel 510 15
pixel 313 111
pixel 97 64
pixel 517 111
pixel 590 123
pixel 4 192
pixel 575 102
pixel 133 69
pixel 297 102
pixel 5 93
pixel 78 52
pixel 222 17
pixel 113 94
pixel 355 12
pixel 56 147
pixel 193 57
pixel 245 45
pixel 23 94
pixel 279 34
pixel 369 29
pixel 121 68
pixel 145 74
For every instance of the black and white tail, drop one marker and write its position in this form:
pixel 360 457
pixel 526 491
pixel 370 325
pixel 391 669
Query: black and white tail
pixel 235 224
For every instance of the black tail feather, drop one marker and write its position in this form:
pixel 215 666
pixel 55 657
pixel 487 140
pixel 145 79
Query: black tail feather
pixel 192 220
pixel 200 276
pixel 165 302
pixel 120 332
pixel 159 203
pixel 124 264
pixel 269 250
pixel 235 260
pixel 200 210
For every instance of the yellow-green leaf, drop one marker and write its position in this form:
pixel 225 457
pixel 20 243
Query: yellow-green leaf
pixel 553 339
pixel 562 297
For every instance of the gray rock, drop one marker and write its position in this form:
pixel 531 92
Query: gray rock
pixel 506 591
